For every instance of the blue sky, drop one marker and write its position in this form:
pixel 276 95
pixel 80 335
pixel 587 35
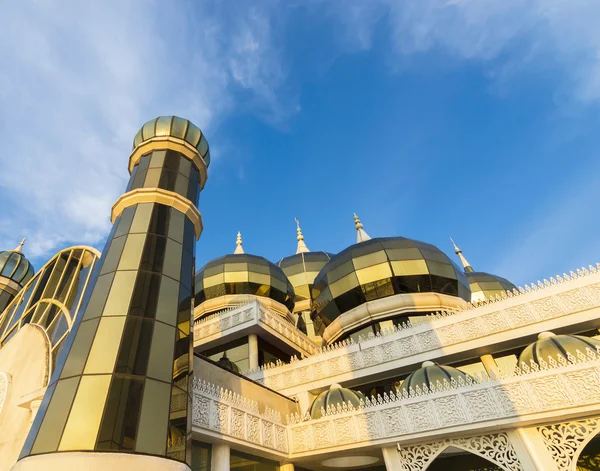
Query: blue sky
pixel 428 118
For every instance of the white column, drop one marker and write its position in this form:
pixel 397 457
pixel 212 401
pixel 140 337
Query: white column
pixel 305 400
pixel 531 450
pixel 253 351
pixel 220 457
pixel 286 467
pixel 392 458
pixel 490 365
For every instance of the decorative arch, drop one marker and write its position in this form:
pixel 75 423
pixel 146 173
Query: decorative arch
pixel 565 441
pixel 495 448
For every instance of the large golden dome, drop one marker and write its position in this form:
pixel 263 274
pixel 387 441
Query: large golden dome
pixel 173 126
pixel 246 274
pixel 381 267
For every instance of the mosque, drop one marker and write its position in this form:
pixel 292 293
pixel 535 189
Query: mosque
pixel 385 356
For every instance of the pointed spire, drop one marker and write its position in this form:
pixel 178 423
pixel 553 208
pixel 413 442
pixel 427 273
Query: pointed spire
pixel 466 265
pixel 238 245
pixel 302 248
pixel 19 249
pixel 361 235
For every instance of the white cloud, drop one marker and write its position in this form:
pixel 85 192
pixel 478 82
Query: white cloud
pixel 79 78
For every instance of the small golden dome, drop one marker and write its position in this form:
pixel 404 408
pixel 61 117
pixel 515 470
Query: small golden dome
pixel 173 126
pixel 483 285
pixel 15 266
pixel 332 397
pixel 551 345
pixel 429 374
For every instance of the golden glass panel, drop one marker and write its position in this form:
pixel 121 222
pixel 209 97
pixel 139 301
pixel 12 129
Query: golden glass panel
pixel 132 253
pixel 441 269
pixel 193 135
pixel 370 259
pixel 141 219
pixel 137 140
pixel 343 270
pixel 161 352
pixel 374 273
pixel 168 299
pixel 82 344
pixel 256 278
pixel 214 280
pixel 154 419
pixel 179 127
pixel 409 267
pixel 486 285
pixel 343 285
pixel 172 263
pixel 84 420
pixel 163 126
pixel 152 178
pixel 298 280
pixel 119 297
pixel 157 160
pixel 106 346
pixel 48 437
pixel 236 267
pixel 203 146
pixel 148 130
pixel 263 290
pixel 98 298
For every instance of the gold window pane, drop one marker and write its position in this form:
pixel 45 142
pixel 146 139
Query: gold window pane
pixel 141 219
pixel 163 126
pixel 257 278
pixel 179 127
pixel 161 352
pixel 48 437
pixel 106 346
pixel 374 273
pixel 168 300
pixel 137 139
pixel 132 252
pixel 409 267
pixel 343 285
pixel 441 269
pixel 81 347
pixel 370 259
pixel 404 254
pixel 119 297
pixel 152 178
pixel 172 263
pixel 298 280
pixel 157 160
pixel 214 280
pixel 154 417
pixel 236 267
pixel 148 130
pixel 100 292
pixel 193 135
pixel 84 420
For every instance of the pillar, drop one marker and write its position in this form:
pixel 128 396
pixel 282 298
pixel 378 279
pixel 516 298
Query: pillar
pixel 253 351
pixel 490 365
pixel 220 457
pixel 305 400
pixel 392 458
pixel 120 388
pixel 531 450
pixel 286 467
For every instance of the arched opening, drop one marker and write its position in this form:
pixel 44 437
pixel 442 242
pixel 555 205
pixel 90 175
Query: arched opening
pixel 457 459
pixel 589 458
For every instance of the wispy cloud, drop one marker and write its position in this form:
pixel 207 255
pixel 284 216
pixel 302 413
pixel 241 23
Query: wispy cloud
pixel 76 82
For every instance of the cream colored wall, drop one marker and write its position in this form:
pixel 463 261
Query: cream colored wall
pixel 203 370
pixel 25 358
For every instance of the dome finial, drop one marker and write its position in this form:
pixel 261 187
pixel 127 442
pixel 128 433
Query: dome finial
pixel 361 235
pixel 302 248
pixel 19 249
pixel 466 265
pixel 238 244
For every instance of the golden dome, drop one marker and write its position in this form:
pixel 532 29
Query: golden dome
pixel 551 345
pixel 429 375
pixel 381 267
pixel 302 269
pixel 332 397
pixel 483 285
pixel 173 126
pixel 243 274
pixel 15 267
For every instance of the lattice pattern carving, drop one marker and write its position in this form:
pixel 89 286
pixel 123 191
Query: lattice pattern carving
pixel 565 441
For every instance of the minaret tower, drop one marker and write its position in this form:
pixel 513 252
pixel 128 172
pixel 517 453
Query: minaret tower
pixel 302 248
pixel 120 389
pixel 15 272
pixel 466 265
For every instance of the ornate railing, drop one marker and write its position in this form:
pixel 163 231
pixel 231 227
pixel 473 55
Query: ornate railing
pixel 565 296
pixel 251 313
pixel 217 410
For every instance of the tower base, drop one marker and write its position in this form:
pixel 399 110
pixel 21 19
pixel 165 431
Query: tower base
pixel 90 461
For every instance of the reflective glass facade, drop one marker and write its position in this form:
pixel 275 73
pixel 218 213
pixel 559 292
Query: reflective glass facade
pixel 243 274
pixel 383 267
pixel 122 383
